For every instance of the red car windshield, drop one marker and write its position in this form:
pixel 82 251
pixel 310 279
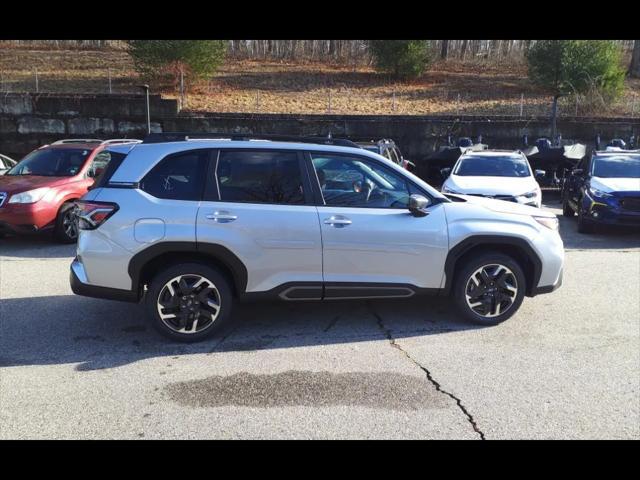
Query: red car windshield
pixel 52 162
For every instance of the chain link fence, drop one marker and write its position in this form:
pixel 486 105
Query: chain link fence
pixel 349 101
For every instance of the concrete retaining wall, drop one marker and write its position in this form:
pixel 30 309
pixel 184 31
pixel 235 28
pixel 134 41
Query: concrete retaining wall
pixel 28 121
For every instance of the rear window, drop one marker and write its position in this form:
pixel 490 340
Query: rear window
pixel 260 177
pixel 177 177
pixel 108 162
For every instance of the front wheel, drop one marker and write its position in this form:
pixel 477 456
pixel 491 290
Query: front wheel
pixel 584 224
pixel 489 289
pixel 66 230
pixel 189 302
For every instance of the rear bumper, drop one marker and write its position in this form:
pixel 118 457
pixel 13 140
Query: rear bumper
pixel 80 286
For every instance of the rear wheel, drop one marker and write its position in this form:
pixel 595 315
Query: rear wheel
pixel 489 289
pixel 66 230
pixel 189 302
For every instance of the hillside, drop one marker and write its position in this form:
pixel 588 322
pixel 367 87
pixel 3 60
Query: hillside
pixel 474 87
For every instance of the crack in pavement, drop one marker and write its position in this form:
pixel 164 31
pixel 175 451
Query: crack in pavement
pixel 437 386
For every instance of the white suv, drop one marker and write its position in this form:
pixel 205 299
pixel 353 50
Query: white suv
pixel 500 174
pixel 193 224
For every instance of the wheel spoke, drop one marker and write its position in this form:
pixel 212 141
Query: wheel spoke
pixel 204 294
pixel 184 288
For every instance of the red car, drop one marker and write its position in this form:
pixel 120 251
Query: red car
pixel 38 193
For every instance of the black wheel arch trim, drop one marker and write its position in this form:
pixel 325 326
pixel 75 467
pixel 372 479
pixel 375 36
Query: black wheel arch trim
pixel 215 251
pixel 479 240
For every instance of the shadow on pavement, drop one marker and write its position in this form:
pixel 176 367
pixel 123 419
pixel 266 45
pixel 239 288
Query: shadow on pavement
pixel 99 334
pixel 35 246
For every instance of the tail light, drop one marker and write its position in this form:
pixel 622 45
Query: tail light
pixel 93 214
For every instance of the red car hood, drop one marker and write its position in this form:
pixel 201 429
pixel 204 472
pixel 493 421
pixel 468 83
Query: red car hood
pixel 22 183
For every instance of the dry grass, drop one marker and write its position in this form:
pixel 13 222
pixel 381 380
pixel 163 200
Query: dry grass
pixel 477 87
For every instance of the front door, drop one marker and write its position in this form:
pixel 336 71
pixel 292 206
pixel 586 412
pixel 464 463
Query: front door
pixel 369 236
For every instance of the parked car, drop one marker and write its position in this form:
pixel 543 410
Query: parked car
pixel 192 225
pixel 6 163
pixel 37 194
pixel 604 189
pixel 500 174
pixel 388 149
pixel 430 167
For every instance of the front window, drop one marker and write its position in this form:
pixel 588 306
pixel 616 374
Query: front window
pixel 52 162
pixel 482 166
pixel 357 182
pixel 617 166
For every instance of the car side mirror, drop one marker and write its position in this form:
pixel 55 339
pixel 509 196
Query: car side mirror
pixel 445 172
pixel 418 204
pixel 540 173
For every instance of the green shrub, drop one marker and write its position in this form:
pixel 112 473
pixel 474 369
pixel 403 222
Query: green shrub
pixel 198 58
pixel 402 58
pixel 569 67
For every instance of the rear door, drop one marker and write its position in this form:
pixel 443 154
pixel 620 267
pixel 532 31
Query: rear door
pixel 259 205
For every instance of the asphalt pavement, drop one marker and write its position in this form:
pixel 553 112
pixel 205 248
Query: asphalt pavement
pixel 566 366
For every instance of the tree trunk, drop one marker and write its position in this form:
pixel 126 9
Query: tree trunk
pixel 634 68
pixel 444 50
pixel 554 117
pixel 463 49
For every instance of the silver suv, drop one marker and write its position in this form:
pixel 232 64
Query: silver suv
pixel 193 224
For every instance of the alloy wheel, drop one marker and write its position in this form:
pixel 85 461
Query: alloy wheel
pixel 70 224
pixel 189 303
pixel 491 290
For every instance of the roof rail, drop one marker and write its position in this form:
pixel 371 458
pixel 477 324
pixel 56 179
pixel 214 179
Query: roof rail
pixel 617 150
pixel 96 140
pixel 184 137
pixel 120 140
pixel 77 140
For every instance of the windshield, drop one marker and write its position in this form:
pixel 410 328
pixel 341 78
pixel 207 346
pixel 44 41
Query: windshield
pixel 51 162
pixel 492 167
pixel 622 166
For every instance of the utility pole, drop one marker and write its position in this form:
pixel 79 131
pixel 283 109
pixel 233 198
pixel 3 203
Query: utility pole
pixel 146 89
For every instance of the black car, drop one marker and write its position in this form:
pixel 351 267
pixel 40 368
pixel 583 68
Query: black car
pixel 388 149
pixel 604 189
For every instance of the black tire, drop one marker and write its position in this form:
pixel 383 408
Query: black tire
pixel 584 225
pixel 567 211
pixel 190 272
pixel 462 280
pixel 64 232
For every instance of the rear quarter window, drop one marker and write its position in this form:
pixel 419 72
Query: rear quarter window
pixel 109 169
pixel 179 176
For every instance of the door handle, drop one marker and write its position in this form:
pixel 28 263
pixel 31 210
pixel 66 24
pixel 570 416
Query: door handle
pixel 221 216
pixel 338 221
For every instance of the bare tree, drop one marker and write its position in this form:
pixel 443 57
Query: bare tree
pixel 634 68
pixel 444 50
